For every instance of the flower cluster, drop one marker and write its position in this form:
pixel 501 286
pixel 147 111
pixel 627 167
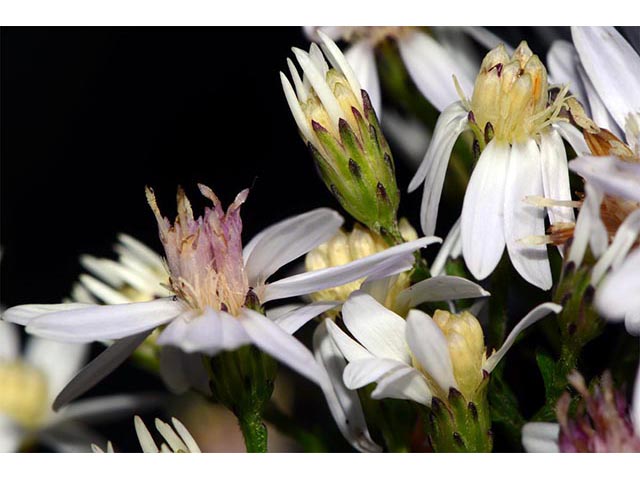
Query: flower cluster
pixel 410 351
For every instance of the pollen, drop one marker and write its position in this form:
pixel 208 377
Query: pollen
pixel 23 396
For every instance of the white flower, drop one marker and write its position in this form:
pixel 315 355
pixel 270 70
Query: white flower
pixel 212 277
pixel 176 439
pixel 524 156
pixel 30 382
pixel 430 61
pixel 418 358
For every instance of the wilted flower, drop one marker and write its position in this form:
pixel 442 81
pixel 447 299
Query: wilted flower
pixel 516 123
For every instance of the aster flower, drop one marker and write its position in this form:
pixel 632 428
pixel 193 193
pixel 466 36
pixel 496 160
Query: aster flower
pixel 212 279
pixel 602 422
pixel 421 357
pixel 516 122
pixel 30 381
pixel 429 59
pixel 176 439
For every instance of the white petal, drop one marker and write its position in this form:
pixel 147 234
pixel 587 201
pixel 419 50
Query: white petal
pixel 442 288
pixel 540 437
pixel 344 404
pixel 350 349
pixel 11 435
pixel 451 122
pixel 381 331
pixel 59 362
pixel 562 62
pixel 23 314
pixel 610 174
pixel 521 220
pixel 632 322
pixel 429 345
pixel 140 251
pixel 589 228
pixel 451 248
pixel 405 383
pixel 369 370
pixel 292 321
pixel 298 115
pixel 486 38
pixel 192 446
pixel 111 407
pixel 618 294
pixel 102 291
pixel 180 370
pixel 101 366
pixel 573 136
pixel 555 175
pixel 339 62
pixel 538 313
pixel 9 342
pixel 408 135
pixel 308 282
pixel 105 322
pixel 287 240
pixel 482 222
pixel 362 59
pixel 171 437
pixel 597 108
pixel 613 67
pixel 285 348
pixel 379 288
pixel 635 404
pixel 432 69
pixel 623 241
pixel 144 437
pixel 210 333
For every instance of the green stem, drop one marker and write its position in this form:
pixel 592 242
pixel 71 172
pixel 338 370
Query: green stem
pixel 254 431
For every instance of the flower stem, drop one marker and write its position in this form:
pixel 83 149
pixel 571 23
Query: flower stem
pixel 254 431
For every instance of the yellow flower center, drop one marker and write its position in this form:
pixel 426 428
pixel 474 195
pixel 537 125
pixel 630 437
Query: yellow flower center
pixel 511 94
pixel 23 393
pixel 466 348
pixel 346 247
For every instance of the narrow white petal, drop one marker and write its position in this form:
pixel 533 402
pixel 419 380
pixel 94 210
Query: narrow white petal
pixel 23 314
pixel 613 66
pixel 105 322
pixel 589 228
pixel 339 62
pixel 540 437
pixel 410 137
pixel 623 241
pixel 432 69
pixel 482 221
pixel 610 174
pixel 405 383
pixel 538 313
pixel 573 136
pixel 379 288
pixel 140 251
pixel 344 404
pixel 301 91
pixel 292 321
pixel 632 322
pixel 442 288
pixel 555 175
pixel 451 248
pixel 522 220
pixel 350 349
pixel 308 282
pixel 298 115
pixel 59 362
pixel 617 295
pixel 448 127
pixel 562 62
pixel 99 368
pixel 172 438
pixel 102 291
pixel 597 108
pixel 369 370
pixel 192 446
pixel 486 38
pixel 380 330
pixel 110 407
pixel 362 59
pixel 9 342
pixel 429 345
pixel 285 348
pixel 287 240
pixel 144 437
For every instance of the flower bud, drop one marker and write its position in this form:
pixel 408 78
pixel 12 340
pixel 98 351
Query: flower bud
pixel 338 123
pixel 466 348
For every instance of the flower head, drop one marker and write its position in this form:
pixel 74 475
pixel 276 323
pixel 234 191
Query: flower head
pixel 204 254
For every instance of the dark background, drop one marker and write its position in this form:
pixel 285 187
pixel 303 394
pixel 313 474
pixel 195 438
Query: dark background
pixel 91 116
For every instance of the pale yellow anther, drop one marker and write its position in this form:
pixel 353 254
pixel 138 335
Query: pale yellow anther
pixel 23 393
pixel 467 350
